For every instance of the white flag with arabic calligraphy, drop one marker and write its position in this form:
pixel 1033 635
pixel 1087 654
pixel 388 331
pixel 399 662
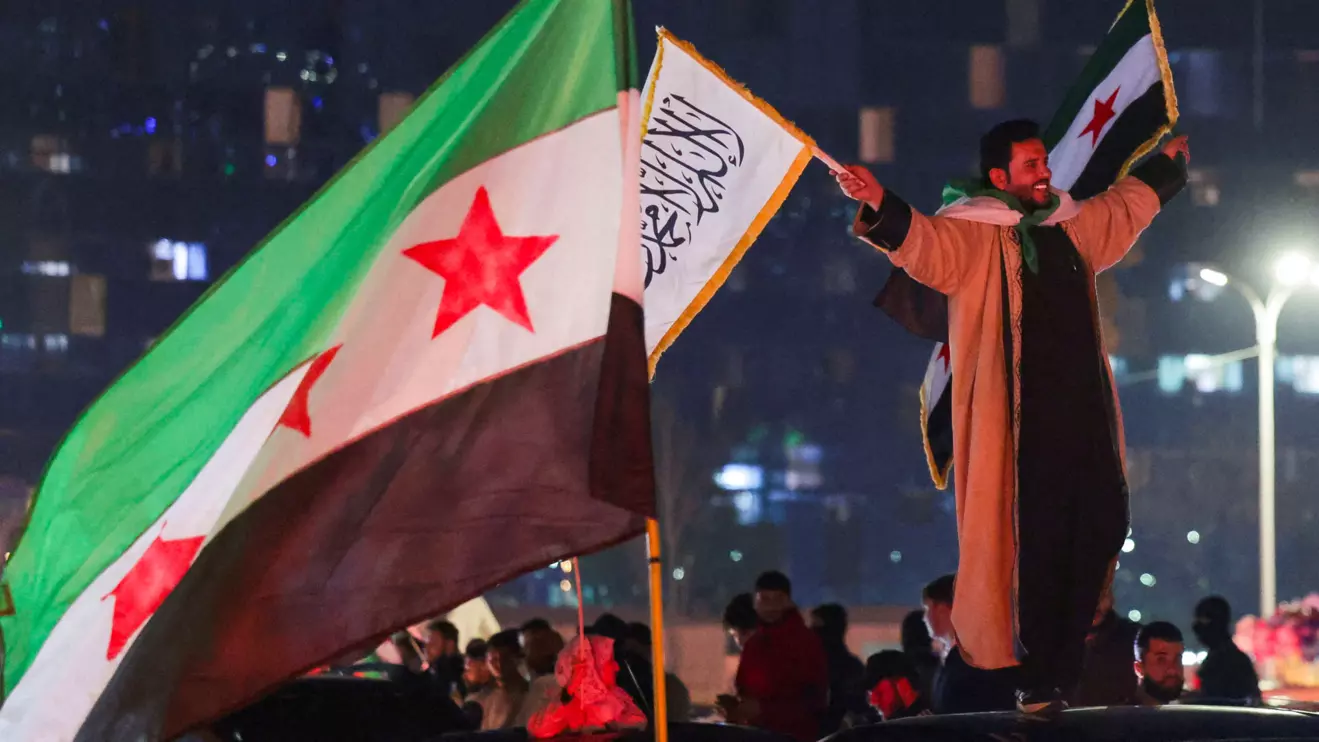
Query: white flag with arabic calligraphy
pixel 716 164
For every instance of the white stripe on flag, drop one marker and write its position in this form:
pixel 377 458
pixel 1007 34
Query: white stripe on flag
pixel 70 670
pixel 1136 73
pixel 937 375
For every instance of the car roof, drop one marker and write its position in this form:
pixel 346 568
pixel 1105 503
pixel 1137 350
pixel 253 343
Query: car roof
pixel 1134 724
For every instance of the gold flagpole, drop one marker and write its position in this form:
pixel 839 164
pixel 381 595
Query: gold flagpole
pixel 658 694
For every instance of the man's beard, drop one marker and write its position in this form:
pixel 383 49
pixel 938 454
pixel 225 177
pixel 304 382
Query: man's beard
pixel 1161 693
pixel 1028 198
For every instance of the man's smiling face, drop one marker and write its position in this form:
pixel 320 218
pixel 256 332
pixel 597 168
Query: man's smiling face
pixel 1028 174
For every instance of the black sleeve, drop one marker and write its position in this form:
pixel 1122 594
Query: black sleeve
pixel 1163 174
pixel 886 227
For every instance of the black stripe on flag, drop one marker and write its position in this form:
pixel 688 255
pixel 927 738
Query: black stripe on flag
pixel 939 434
pixel 1136 126
pixel 548 461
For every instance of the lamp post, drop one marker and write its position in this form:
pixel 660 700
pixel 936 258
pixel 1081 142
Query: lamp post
pixel 1290 272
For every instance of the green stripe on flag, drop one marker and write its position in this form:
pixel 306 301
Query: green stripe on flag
pixel 1131 26
pixel 137 447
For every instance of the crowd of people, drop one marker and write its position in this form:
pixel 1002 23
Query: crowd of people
pixel 505 681
pixel 806 683
pixel 797 676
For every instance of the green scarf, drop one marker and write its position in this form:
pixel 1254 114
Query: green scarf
pixel 958 189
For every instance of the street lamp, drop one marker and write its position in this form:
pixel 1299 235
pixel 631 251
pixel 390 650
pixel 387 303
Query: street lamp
pixel 1291 272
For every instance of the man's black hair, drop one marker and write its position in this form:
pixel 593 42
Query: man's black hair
pixel 889 664
pixel 476 649
pixel 915 634
pixel 1161 630
pixel 1215 611
pixel 639 633
pixel 741 613
pixel 940 590
pixel 996 144
pixel 833 620
pixel 536 624
pixel 611 626
pixel 507 640
pixel 774 581
pixel 445 629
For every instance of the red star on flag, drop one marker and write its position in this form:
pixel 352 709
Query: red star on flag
pixel 1103 114
pixel 482 265
pixel 945 355
pixel 142 591
pixel 296 416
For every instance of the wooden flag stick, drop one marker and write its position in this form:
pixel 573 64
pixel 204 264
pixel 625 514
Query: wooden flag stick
pixel 658 695
pixel 822 156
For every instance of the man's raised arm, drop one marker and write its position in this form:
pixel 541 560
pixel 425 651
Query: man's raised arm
pixel 1109 223
pixel 932 251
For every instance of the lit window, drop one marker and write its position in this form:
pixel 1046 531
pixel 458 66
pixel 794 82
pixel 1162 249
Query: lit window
pixel 87 293
pixel 986 77
pixel 1205 190
pixel 178 261
pixel 61 162
pixel 55 342
pixel 1200 81
pixel 1301 371
pixel 197 262
pixel 804 467
pixel 749 508
pixel 737 477
pixel 1202 371
pixel 51 153
pixel 45 267
pixel 876 134
pixel 17 351
pixel 283 116
pixel 1308 179
pixel 1119 366
pixel 14 341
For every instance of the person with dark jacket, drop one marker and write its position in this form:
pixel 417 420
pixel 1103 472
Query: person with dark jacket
pixel 1108 676
pixel 782 678
pixel 634 671
pixel 846 673
pixel 444 661
pixel 919 648
pixel 1227 672
pixel 961 688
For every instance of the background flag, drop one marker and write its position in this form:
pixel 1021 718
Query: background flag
pixel 1116 113
pixel 716 164
pixel 428 380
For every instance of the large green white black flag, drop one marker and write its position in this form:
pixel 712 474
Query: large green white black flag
pixel 430 379
pixel 1116 112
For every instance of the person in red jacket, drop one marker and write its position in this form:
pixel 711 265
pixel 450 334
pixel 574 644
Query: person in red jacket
pixel 782 679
